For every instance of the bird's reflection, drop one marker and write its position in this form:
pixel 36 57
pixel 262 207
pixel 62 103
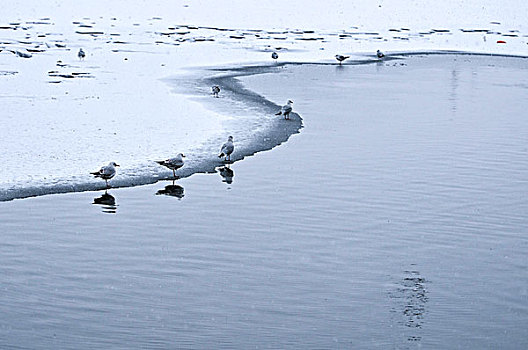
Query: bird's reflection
pixel 379 65
pixel 340 68
pixel 227 174
pixel 172 190
pixel 107 201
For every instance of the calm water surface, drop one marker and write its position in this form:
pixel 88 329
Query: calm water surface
pixel 396 219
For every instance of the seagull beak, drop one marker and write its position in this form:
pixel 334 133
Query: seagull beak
pixel 183 155
pixel 117 165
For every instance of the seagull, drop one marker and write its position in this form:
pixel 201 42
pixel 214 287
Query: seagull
pixel 227 149
pixel 81 54
pixel 286 110
pixel 216 90
pixel 341 58
pixel 106 172
pixel 173 163
pixel 274 55
pixel 380 54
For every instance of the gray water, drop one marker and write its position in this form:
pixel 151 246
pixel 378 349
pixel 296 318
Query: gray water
pixel 395 219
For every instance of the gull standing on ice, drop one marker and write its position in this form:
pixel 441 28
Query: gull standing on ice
pixel 81 54
pixel 216 90
pixel 173 163
pixel 274 55
pixel 341 58
pixel 380 54
pixel 106 172
pixel 227 149
pixel 286 110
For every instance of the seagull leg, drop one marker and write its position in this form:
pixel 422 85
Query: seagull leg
pixel 174 173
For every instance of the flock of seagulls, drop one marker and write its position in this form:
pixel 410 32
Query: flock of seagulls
pixel 341 58
pixel 107 172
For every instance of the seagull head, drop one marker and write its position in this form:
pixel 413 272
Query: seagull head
pixel 290 102
pixel 181 155
pixel 114 164
pixel 230 138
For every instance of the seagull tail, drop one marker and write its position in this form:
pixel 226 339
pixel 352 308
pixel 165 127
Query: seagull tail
pixel 160 162
pixel 96 174
pixel 221 155
pixel 278 113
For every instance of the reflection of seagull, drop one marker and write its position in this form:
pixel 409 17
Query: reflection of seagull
pixel 286 110
pixel 341 58
pixel 216 90
pixel 107 201
pixel 173 163
pixel 172 190
pixel 380 54
pixel 106 172
pixel 227 149
pixel 227 174
pixel 274 55
pixel 81 54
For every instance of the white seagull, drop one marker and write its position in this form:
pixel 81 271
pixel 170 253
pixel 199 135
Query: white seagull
pixel 81 54
pixel 216 90
pixel 227 149
pixel 106 172
pixel 286 110
pixel 341 58
pixel 380 54
pixel 173 163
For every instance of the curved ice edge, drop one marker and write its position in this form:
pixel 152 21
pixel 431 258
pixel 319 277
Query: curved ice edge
pixel 226 76
pixel 278 132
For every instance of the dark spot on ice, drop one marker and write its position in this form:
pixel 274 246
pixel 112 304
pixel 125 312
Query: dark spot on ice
pixel 309 39
pixel 474 30
pixel 5 72
pixel 89 32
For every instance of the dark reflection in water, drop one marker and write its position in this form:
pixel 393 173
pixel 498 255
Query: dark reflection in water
pixel 172 190
pixel 340 69
pixel 453 97
pixel 411 297
pixel 227 174
pixel 107 201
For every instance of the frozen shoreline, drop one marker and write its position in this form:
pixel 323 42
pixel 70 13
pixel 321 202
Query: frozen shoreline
pixel 274 132
pixel 63 117
pixel 404 191
pixel 267 131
